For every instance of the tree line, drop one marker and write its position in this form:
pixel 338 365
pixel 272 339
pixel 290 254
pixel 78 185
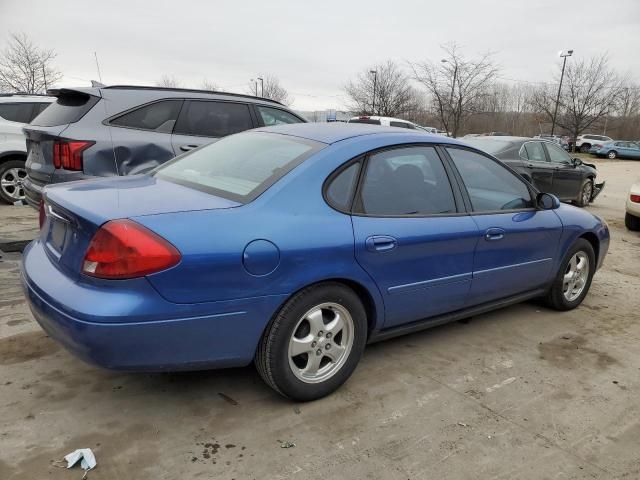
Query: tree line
pixel 458 94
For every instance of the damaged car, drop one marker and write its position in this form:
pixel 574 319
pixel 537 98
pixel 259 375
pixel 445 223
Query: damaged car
pixel 123 130
pixel 546 165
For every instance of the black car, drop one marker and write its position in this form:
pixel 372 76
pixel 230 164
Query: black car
pixel 124 130
pixel 546 165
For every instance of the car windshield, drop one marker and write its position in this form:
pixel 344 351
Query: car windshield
pixel 488 145
pixel 239 167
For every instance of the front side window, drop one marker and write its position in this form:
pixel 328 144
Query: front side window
pixel 490 185
pixel 275 116
pixel 156 117
pixel 406 181
pixel 535 151
pixel 214 119
pixel 239 167
pixel 16 112
pixel 557 154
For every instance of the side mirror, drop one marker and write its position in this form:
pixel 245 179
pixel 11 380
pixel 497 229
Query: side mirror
pixel 576 162
pixel 546 201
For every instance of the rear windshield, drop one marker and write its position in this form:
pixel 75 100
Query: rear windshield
pixel 370 121
pixel 487 145
pixel 239 167
pixel 66 109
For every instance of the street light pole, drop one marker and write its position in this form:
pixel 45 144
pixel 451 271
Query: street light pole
pixel 564 63
pixel 375 81
pixel 261 87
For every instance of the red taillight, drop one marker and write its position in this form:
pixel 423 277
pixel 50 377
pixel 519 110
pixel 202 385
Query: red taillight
pixel 634 198
pixel 125 249
pixel 67 154
pixel 42 215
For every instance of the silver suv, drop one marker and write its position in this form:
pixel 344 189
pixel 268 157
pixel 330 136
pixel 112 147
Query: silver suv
pixel 16 110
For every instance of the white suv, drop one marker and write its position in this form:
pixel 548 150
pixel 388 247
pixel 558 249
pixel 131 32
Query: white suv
pixel 385 121
pixel 584 142
pixel 16 110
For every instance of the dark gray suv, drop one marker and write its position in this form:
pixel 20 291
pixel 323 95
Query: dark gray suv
pixel 123 130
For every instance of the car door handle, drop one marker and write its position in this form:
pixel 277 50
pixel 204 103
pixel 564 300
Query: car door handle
pixel 186 148
pixel 380 243
pixel 494 234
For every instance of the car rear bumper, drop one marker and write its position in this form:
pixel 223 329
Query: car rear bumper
pixel 111 333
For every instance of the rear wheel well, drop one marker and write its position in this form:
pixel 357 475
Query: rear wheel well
pixel 13 156
pixel 595 243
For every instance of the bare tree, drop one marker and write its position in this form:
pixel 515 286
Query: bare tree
pixel 24 67
pixel 168 81
pixel 456 84
pixel 209 85
pixel 269 87
pixel 590 92
pixel 387 92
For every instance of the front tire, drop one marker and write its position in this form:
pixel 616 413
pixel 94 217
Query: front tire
pixel 586 192
pixel 314 343
pixel 632 222
pixel 12 174
pixel 612 155
pixel 574 277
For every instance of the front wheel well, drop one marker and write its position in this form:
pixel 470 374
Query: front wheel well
pixel 595 243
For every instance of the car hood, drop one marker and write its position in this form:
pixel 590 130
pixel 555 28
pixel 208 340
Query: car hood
pixel 106 199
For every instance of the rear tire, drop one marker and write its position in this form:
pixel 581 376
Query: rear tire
pixel 586 192
pixel 584 148
pixel 12 174
pixel 632 222
pixel 612 154
pixel 574 276
pixel 327 323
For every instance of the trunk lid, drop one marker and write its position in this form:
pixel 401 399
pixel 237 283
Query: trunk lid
pixel 75 210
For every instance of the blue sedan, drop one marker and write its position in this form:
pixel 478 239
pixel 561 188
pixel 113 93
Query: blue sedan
pixel 295 246
pixel 617 149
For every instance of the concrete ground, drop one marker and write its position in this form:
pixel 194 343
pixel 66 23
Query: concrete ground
pixel 520 393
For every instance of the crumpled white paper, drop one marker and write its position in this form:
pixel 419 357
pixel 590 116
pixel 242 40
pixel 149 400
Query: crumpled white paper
pixel 86 457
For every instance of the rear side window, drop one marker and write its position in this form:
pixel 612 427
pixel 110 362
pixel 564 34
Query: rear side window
pixel 157 117
pixel 341 188
pixel 16 112
pixel 406 181
pixel 239 167
pixel 491 187
pixel 535 151
pixel 275 116
pixel 68 108
pixel 369 121
pixel 213 119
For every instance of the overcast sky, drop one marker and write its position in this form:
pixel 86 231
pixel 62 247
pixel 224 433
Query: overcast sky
pixel 315 47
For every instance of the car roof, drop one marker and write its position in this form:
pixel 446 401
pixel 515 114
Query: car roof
pixel 337 131
pixel 24 98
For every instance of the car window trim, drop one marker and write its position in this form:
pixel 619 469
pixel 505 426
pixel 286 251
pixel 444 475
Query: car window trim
pixel 357 199
pixel 185 109
pixel 530 188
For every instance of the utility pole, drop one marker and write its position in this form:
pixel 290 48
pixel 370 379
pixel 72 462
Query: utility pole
pixel 44 74
pixel 564 63
pixel 375 81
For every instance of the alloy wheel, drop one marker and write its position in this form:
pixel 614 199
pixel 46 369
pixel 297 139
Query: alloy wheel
pixel 586 193
pixel 11 183
pixel 576 276
pixel 321 342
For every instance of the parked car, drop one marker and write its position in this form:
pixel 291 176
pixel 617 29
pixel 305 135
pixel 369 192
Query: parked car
pixel 122 130
pixel 432 130
pixel 616 149
pixel 632 216
pixel 16 110
pixel 385 121
pixel 495 134
pixel 561 140
pixel 584 142
pixel 546 165
pixel 294 246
